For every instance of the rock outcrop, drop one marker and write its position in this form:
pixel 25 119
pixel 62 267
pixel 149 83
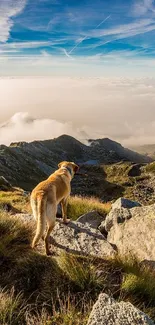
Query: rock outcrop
pixel 120 212
pixel 79 238
pixel 107 311
pixel 76 238
pixel 125 203
pixel 132 231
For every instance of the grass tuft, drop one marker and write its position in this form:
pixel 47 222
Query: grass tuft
pixel 12 308
pixel 82 271
pixel 78 206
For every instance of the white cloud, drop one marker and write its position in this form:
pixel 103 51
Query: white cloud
pixel 143 7
pixel 8 10
pixel 118 108
pixel 24 45
pixel 22 126
pixel 126 30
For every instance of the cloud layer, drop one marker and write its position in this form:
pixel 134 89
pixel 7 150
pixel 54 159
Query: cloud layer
pixel 118 108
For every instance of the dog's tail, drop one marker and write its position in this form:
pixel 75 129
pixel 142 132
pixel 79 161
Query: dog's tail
pixel 39 211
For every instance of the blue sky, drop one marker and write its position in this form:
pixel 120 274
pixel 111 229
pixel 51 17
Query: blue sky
pixel 77 37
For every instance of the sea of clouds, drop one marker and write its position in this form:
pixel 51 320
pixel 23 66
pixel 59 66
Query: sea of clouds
pixel 122 109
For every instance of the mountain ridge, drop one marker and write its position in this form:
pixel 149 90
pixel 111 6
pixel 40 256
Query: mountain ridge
pixel 25 164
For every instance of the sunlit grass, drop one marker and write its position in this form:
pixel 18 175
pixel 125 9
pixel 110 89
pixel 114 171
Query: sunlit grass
pixel 78 206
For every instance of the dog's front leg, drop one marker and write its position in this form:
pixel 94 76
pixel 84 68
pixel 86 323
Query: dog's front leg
pixel 64 210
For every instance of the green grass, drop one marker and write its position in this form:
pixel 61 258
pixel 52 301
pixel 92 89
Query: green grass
pixel 138 281
pixel 150 168
pixel 78 206
pixel 82 271
pixel 137 284
pixel 140 286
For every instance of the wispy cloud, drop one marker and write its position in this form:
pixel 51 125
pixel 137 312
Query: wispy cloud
pixel 142 7
pixel 8 10
pixel 84 38
pixel 135 28
pixel 124 31
pixel 24 45
pixel 67 54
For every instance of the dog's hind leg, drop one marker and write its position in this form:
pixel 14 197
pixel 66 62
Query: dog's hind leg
pixel 51 211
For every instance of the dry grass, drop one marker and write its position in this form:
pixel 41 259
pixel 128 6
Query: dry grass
pixel 78 206
pixel 117 173
pixel 16 311
pixel 16 199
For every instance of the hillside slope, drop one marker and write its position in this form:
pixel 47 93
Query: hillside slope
pixel 148 150
pixel 25 164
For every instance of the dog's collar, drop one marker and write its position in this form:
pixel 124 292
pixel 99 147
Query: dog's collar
pixel 69 170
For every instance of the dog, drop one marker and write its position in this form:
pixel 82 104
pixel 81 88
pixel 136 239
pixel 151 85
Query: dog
pixel 46 196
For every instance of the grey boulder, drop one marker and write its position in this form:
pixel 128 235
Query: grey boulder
pixel 125 203
pixel 119 212
pixel 135 236
pixel 82 239
pixel 107 311
pixel 93 218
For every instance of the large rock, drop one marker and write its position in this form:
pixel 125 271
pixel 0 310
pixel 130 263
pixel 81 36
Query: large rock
pixel 135 236
pixel 93 218
pixel 115 216
pixel 120 212
pixel 107 311
pixel 135 170
pixel 74 238
pixel 80 239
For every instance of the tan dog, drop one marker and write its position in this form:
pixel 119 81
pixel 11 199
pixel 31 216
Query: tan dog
pixel 47 195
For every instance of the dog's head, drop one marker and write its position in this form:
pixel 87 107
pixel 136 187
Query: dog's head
pixel 70 165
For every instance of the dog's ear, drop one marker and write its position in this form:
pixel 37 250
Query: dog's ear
pixel 76 168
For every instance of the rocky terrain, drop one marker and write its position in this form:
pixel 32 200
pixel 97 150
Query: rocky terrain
pixel 103 267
